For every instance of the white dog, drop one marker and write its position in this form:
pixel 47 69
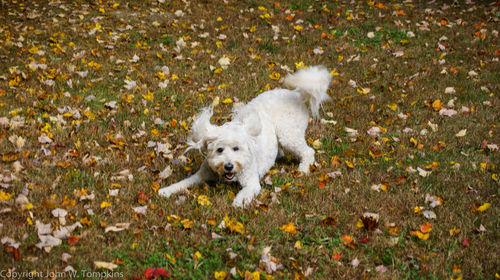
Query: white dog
pixel 246 148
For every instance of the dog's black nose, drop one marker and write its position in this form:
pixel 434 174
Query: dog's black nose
pixel 228 167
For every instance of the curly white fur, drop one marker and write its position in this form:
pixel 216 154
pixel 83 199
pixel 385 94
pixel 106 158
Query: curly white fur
pixel 246 148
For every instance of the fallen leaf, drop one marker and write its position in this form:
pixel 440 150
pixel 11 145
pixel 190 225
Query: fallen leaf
pixel 117 227
pixel 483 207
pixel 203 200
pixel 290 228
pixel 429 214
pixel 381 268
pixel 105 265
pixel 461 133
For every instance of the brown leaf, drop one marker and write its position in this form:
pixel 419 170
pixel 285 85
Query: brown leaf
pixel 10 157
pixel 370 222
pixel 328 222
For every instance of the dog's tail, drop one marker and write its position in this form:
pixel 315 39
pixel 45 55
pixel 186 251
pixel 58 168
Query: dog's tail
pixel 312 83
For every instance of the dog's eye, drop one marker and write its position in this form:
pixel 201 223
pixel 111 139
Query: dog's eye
pixel 236 149
pixel 220 150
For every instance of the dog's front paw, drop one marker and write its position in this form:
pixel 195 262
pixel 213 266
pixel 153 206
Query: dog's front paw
pixel 166 191
pixel 303 169
pixel 243 198
pixel 241 201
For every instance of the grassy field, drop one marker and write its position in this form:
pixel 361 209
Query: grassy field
pixel 96 101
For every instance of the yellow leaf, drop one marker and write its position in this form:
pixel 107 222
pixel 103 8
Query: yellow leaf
pixel 483 207
pixel 233 225
pixel 417 210
pixel 227 101
pixel 160 75
pixel 274 75
pixel 28 206
pixel 340 58
pixel 86 221
pixel 454 231
pixel 5 196
pixel 219 19
pixel 155 186
pixel 105 204
pixel 349 164
pixel 149 96
pixel 170 258
pixel 218 71
pixel 359 224
pixel 392 106
pixel 174 77
pixel 220 275
pixel 394 230
pixel 252 29
pixel 197 255
pixel 437 105
pixel 155 132
pixel 204 201
pixel 420 235
pixel 252 275
pixel 290 228
pixel 173 218
pixel 300 65
pixel 316 144
pixel 413 141
pixel 298 245
pixel 187 223
pixel 494 177
pixel 334 72
pixel 433 165
pixel 298 27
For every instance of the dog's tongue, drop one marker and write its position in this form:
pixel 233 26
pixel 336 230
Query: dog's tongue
pixel 229 176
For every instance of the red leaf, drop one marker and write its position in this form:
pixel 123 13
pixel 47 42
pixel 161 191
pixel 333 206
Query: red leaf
pixel 149 273
pixel 484 144
pixel 162 272
pixel 336 256
pixel 466 242
pixel 322 184
pixel 364 239
pixel 155 272
pixel 14 251
pixel 72 240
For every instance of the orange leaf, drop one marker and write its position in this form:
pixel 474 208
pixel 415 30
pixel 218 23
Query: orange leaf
pixel 425 227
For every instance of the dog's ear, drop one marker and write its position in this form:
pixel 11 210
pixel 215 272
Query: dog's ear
pixel 200 130
pixel 253 125
pixel 251 121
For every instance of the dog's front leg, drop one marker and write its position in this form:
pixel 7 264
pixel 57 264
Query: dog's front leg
pixel 250 189
pixel 201 176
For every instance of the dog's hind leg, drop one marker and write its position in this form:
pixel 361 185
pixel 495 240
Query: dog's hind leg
pixel 201 176
pixel 299 148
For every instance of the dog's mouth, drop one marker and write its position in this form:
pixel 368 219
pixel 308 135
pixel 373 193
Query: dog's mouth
pixel 229 176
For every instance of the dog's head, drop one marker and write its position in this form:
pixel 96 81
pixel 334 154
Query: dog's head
pixel 229 148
